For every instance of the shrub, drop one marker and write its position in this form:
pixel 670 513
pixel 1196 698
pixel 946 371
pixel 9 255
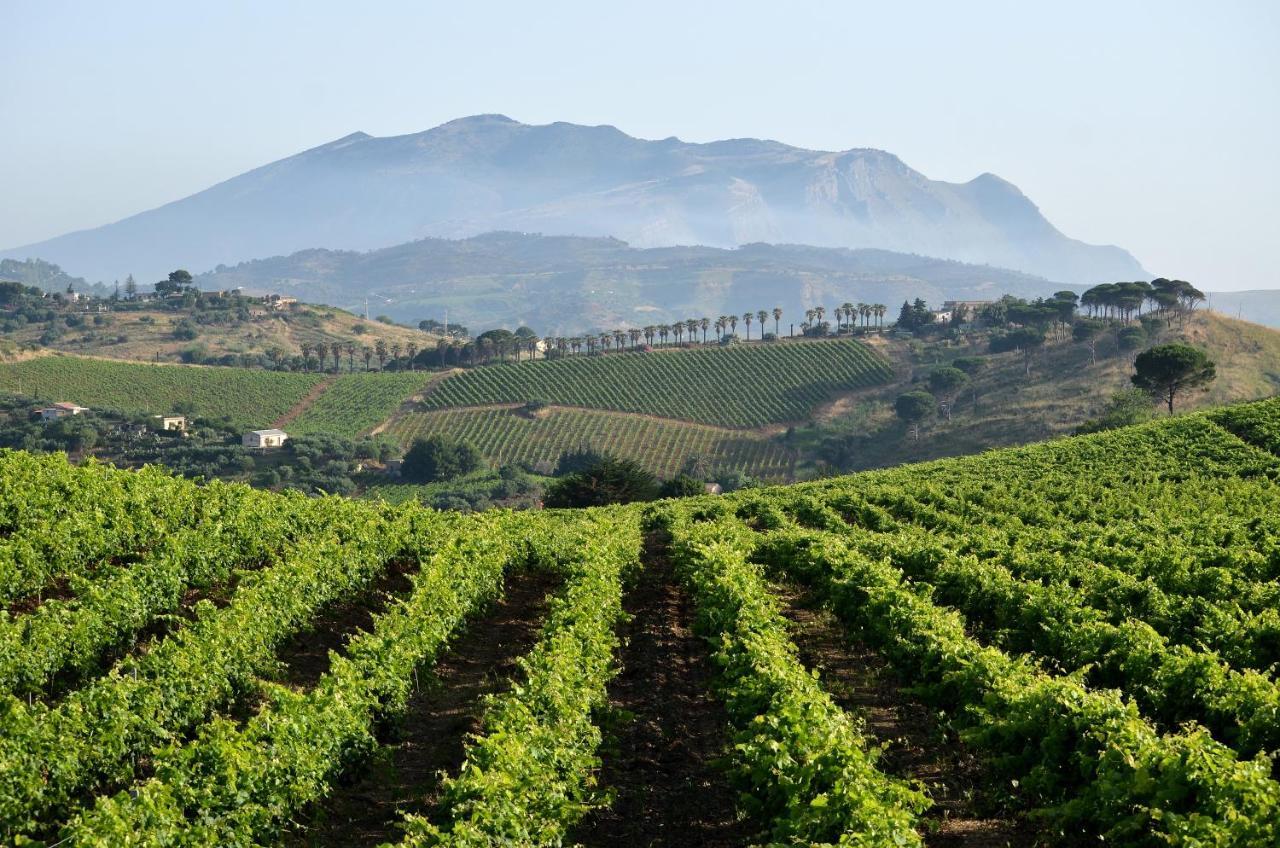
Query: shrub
pixel 440 458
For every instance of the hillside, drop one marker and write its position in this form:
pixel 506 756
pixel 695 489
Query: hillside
pixel 489 172
pixel 565 285
pixel 1003 406
pixel 1112 593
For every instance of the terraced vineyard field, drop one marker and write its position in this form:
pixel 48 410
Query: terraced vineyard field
pixel 249 398
pixel 745 386
pixel 505 435
pixel 1069 643
pixel 354 403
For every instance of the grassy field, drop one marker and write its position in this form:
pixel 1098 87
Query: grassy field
pixel 507 435
pixel 249 398
pixel 354 403
pixel 744 386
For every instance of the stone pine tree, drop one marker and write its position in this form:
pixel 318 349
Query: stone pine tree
pixel 1169 370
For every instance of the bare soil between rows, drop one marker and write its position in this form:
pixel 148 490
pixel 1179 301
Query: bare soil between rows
pixel 668 732
pixel 429 739
pixel 919 746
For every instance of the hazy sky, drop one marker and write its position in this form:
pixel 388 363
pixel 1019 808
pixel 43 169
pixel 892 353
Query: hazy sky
pixel 1151 125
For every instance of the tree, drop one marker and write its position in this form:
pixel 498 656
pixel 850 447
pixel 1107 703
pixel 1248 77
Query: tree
pixel 130 286
pixel 747 318
pixel 1087 330
pixel 914 408
pixel 762 315
pixel 607 481
pixel 946 383
pixel 682 486
pixel 367 353
pixel 1167 370
pixel 440 458
pixel 380 351
pixel 351 357
pixel 777 316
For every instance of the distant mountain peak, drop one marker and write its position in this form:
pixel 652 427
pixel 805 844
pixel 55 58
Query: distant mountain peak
pixel 490 172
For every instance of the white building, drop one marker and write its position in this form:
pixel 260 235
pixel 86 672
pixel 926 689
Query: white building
pixel 171 422
pixel 264 439
pixel 60 410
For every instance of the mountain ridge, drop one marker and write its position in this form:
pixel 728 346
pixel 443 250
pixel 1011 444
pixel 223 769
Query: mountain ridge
pixel 490 172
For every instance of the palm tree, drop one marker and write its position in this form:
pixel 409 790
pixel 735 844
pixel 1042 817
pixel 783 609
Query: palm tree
pixel 442 351
pixel 846 309
pixel 351 357
pixel 720 327
pixel 691 324
pixel 663 332
pixel 762 316
pixel 396 350
pixel 648 334
pixel 733 324
pixel 880 310
pixel 412 350
pixel 747 318
pixel 306 355
pixel 820 312
pixel 380 351
pixel 808 318
pixel 777 316
pixel 634 334
pixel 368 354
pixel 618 336
pixel 704 323
pixel 335 349
pixel 678 330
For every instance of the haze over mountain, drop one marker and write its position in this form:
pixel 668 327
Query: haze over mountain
pixel 489 172
pixel 573 284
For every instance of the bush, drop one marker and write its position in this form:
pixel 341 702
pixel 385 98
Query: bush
pixel 440 458
pixel 609 481
pixel 682 486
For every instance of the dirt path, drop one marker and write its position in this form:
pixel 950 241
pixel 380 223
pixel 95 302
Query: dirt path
pixel 304 403
pixel 403 776
pixel 861 682
pixel 670 732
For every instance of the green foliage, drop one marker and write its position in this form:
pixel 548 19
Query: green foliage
pixel 507 436
pixel 440 458
pixel 607 481
pixel 744 386
pixel 248 398
pixel 354 403
pixel 1123 409
pixel 682 486
pixel 1171 369
pixel 915 407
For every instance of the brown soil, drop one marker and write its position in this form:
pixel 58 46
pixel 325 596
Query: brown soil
pixel 403 776
pixel 305 657
pixel 671 731
pixel 861 681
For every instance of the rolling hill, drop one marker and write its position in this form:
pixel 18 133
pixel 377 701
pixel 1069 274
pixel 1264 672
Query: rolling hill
pixel 489 172
pixel 565 285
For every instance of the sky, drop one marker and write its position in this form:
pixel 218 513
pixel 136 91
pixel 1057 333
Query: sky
pixel 1151 125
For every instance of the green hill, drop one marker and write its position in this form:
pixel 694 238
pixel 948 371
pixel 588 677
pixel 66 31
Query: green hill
pixel 740 386
pixel 249 398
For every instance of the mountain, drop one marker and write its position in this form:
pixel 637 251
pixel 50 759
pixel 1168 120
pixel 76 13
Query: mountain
pixel 570 284
pixel 488 172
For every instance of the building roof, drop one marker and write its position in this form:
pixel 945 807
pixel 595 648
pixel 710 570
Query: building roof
pixel 62 404
pixel 271 432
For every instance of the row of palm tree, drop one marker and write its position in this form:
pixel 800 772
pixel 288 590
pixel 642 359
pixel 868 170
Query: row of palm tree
pixel 846 313
pixel 380 350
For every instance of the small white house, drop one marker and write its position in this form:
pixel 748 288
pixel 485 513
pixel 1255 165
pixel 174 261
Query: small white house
pixel 394 467
pixel 265 439
pixel 171 422
pixel 60 410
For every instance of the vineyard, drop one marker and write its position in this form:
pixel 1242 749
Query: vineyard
pixel 1074 642
pixel 248 398
pixel 354 403
pixel 505 435
pixel 729 387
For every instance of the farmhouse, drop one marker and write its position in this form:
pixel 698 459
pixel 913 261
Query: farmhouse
pixel 171 422
pixel 60 410
pixel 280 301
pixel 264 439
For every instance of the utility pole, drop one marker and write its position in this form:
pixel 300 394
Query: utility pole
pixel 366 309
pixel 446 322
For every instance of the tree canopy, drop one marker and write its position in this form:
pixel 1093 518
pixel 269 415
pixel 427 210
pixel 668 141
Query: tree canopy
pixel 440 458
pixel 1171 369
